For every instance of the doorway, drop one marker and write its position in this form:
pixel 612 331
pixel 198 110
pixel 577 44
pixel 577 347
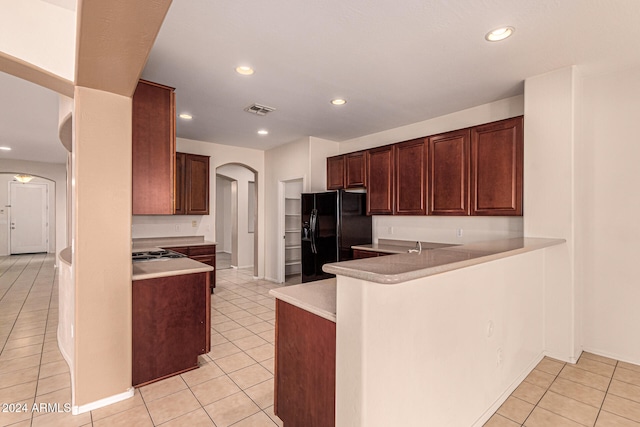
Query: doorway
pixel 290 228
pixel 236 204
pixel 28 218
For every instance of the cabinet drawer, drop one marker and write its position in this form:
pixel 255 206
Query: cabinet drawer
pixel 205 259
pixel 202 250
pixel 359 254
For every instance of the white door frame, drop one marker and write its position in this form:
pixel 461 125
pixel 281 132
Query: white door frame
pixel 280 275
pixel 280 237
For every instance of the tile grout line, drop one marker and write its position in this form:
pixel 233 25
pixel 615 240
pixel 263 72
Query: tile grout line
pixel 606 393
pixel 23 302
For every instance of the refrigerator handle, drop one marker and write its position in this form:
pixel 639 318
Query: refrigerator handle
pixel 312 225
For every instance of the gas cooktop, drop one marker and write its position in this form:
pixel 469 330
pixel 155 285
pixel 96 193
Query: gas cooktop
pixel 159 255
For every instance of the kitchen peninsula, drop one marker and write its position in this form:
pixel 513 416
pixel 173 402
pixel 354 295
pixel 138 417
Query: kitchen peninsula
pixel 417 334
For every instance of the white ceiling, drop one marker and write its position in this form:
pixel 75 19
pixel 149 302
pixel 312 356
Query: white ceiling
pixel 395 62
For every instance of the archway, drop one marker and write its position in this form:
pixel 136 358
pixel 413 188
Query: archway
pixel 236 205
pixel 8 186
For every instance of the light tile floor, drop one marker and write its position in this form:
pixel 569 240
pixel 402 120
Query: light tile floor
pixel 234 385
pixel 596 391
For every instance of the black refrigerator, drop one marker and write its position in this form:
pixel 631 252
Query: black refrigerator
pixel 332 222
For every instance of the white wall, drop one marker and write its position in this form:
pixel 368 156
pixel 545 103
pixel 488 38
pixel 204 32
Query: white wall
pixel 502 109
pixel 444 229
pixel 319 150
pixel 285 163
pixel 549 186
pixel 444 350
pixel 165 225
pixel 223 214
pixel 242 176
pixel 57 209
pixel 41 33
pixel 609 207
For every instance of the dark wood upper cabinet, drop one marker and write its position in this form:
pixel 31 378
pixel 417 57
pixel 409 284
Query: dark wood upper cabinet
pixel 410 177
pixel 153 149
pixel 380 191
pixel 496 168
pixel 354 176
pixel 180 184
pixel 192 184
pixel 449 173
pixel 335 173
pixel 196 188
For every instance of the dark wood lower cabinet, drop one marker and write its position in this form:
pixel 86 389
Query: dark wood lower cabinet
pixel 205 254
pixel 359 254
pixel 305 368
pixel 171 319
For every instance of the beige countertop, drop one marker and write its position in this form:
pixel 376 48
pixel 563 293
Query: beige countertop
pixel 167 267
pixel 149 243
pixel 317 297
pixel 398 246
pixel 403 267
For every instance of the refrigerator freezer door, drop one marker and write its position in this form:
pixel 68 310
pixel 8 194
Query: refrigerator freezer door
pixel 320 210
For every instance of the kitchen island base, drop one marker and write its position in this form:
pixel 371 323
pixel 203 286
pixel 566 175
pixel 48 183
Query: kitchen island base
pixel 305 378
pixel 171 325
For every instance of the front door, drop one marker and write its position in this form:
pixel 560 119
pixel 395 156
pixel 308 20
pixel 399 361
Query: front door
pixel 29 224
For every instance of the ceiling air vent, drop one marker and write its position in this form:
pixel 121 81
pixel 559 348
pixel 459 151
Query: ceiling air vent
pixel 258 109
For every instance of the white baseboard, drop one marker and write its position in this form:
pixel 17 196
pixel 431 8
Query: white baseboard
pixel 76 410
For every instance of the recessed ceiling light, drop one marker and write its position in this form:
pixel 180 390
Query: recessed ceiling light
pixel 338 101
pixel 499 34
pixel 186 116
pixel 244 70
pixel 5 148
pixel 263 132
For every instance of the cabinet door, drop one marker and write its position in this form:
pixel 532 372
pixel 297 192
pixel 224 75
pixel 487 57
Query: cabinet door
pixel 355 170
pixel 335 173
pixel 449 173
pixel 305 368
pixel 380 181
pixel 496 168
pixel 170 325
pixel 411 177
pixel 153 149
pixel 180 184
pixel 205 254
pixel 197 185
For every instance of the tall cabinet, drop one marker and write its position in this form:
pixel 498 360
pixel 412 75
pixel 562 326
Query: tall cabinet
pixel 153 149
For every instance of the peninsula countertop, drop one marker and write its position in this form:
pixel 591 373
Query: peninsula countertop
pixel 403 267
pixel 167 267
pixel 317 297
pixel 399 246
